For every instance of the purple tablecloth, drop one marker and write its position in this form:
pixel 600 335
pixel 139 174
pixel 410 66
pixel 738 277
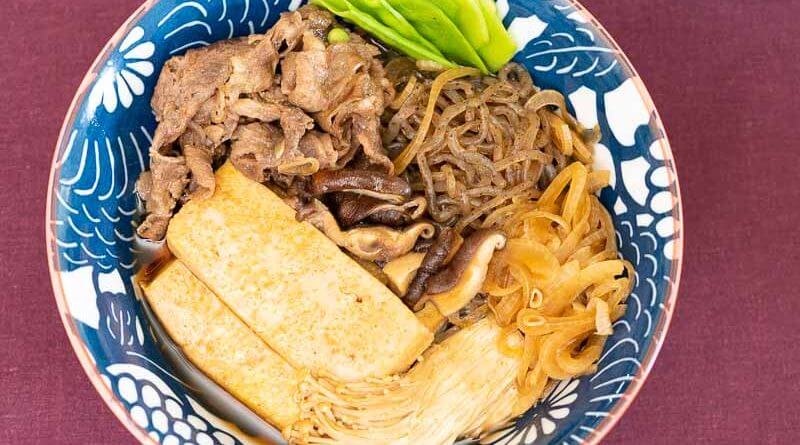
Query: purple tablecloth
pixel 725 77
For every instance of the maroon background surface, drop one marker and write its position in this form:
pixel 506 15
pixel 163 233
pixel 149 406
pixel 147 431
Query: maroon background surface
pixel 724 75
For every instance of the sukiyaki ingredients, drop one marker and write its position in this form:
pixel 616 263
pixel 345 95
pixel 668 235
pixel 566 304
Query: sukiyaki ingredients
pixel 471 196
pixel 292 285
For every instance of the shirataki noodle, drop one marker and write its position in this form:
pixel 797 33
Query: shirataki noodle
pixel 474 144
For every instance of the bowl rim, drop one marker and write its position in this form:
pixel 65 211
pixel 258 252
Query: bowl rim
pixel 122 414
pixel 670 300
pixel 85 359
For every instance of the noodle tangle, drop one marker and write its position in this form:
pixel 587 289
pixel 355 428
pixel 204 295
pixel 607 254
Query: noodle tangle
pixel 475 144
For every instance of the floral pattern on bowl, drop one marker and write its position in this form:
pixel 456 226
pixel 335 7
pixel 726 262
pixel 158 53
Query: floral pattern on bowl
pixel 103 148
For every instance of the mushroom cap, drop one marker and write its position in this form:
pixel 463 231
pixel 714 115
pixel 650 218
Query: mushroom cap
pixel 374 243
pixel 354 208
pixel 364 182
pixel 438 253
pixel 454 287
pixel 383 243
pixel 476 250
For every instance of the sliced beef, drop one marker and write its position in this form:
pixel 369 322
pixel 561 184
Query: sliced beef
pixel 346 87
pixel 161 188
pixel 258 99
pixel 304 80
pixel 213 124
pixel 366 134
pixel 319 145
pixel 354 121
pixel 293 121
pixel 261 150
pixel 316 79
pixel 255 108
pixel 186 83
pixel 199 158
pixel 294 124
pixel 241 66
pixel 287 33
pixel 253 70
pixel 347 62
pixel 254 150
pixel 317 20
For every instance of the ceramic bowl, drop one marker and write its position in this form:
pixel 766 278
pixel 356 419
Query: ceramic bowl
pixel 103 147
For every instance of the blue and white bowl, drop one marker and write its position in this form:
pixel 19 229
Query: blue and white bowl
pixel 103 147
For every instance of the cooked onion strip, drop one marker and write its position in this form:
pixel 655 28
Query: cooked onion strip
pixel 558 283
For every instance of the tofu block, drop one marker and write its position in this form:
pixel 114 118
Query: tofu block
pixel 218 343
pixel 293 286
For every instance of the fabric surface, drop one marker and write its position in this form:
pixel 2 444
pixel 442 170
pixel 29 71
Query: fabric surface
pixel 724 76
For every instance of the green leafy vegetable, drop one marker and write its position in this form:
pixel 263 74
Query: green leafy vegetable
pixel 338 35
pixel 383 11
pixel 344 9
pixel 433 24
pixel 500 48
pixel 446 32
pixel 468 16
